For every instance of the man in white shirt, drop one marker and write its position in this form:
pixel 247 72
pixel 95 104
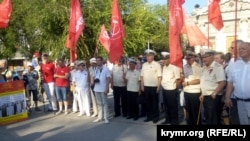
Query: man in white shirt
pixel 102 80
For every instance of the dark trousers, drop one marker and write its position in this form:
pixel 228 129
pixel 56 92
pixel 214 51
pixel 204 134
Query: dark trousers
pixel 171 106
pixel 132 104
pixel 233 113
pixel 212 109
pixel 152 102
pixel 120 100
pixel 192 107
pixel 141 101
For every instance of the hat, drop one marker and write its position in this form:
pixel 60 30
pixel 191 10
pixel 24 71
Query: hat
pixel 19 68
pixel 149 52
pixel 165 55
pixel 207 52
pixel 36 54
pixel 133 61
pixel 80 62
pixel 92 60
pixel 29 64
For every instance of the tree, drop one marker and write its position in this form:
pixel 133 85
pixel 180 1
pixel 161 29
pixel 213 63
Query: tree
pixel 43 25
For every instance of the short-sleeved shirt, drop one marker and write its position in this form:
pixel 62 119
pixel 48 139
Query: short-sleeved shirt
pixel 32 80
pixel 239 75
pixel 117 75
pixel 150 73
pixel 48 70
pixel 133 77
pixel 170 74
pixel 62 82
pixel 191 73
pixel 80 78
pixel 210 78
pixel 102 74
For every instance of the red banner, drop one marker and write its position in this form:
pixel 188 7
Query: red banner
pixel 175 27
pixel 214 14
pixel 76 27
pixel 117 34
pixel 5 12
pixel 104 39
pixel 193 32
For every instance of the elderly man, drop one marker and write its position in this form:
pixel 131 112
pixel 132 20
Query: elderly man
pixel 118 85
pixel 238 78
pixel 81 81
pixel 170 82
pixel 132 79
pixel 212 81
pixel 151 75
pixel 92 69
pixel 191 88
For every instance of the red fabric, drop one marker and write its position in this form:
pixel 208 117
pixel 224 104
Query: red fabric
pixel 214 14
pixel 36 54
pixel 48 70
pixel 193 32
pixel 175 27
pixel 60 82
pixel 76 27
pixel 5 12
pixel 104 38
pixel 117 34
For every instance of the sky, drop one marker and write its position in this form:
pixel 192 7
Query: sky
pixel 188 5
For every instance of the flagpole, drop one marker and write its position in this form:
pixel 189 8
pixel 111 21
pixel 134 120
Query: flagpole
pixel 235 31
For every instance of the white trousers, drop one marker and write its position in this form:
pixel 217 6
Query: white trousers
pixel 94 105
pixel 75 102
pixel 49 89
pixel 83 100
pixel 102 105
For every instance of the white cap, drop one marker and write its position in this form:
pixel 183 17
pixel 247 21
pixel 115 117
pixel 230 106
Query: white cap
pixel 149 51
pixel 92 60
pixel 164 53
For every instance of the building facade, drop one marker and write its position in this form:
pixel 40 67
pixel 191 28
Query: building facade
pixel 235 24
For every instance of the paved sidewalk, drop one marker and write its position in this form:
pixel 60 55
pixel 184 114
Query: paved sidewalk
pixel 43 126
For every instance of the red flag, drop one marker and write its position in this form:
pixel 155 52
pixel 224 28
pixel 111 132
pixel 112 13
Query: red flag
pixel 214 14
pixel 104 38
pixel 5 12
pixel 76 27
pixel 193 32
pixel 175 27
pixel 117 34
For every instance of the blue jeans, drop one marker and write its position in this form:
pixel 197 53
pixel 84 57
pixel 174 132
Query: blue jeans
pixel 61 93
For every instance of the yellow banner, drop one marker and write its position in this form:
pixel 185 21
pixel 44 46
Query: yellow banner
pixel 13 107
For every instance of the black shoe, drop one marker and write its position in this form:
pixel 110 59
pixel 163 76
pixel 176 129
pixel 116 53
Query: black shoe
pixel 142 115
pixel 116 116
pixel 37 109
pixel 165 123
pixel 155 121
pixel 50 110
pixel 135 118
pixel 147 120
pixel 128 117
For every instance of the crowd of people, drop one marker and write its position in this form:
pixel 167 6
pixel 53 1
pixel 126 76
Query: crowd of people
pixel 214 87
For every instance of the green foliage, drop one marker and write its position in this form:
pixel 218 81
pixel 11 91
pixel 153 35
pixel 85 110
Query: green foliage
pixel 43 25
